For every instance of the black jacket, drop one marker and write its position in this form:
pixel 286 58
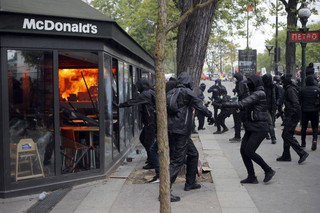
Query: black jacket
pixel 279 94
pixel 201 90
pixel 291 101
pixel 270 91
pixel 309 96
pixel 217 91
pixel 241 87
pixel 181 122
pixel 146 98
pixel 255 105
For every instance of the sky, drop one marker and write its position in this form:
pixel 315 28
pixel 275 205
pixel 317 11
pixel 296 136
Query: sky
pixel 257 41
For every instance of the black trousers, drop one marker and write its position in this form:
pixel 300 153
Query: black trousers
pixel 215 112
pixel 147 137
pixel 271 125
pixel 221 119
pixel 237 118
pixel 201 118
pixel 314 118
pixel 288 138
pixel 250 143
pixel 183 146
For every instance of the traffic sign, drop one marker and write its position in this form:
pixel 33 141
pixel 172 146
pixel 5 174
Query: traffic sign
pixel 309 36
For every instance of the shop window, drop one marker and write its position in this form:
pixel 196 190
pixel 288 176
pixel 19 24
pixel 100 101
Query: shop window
pixel 79 114
pixel 122 93
pixel 134 94
pixel 127 110
pixel 115 109
pixel 30 80
pixel 145 74
pixel 109 119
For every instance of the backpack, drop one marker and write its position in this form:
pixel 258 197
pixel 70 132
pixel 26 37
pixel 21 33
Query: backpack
pixel 172 104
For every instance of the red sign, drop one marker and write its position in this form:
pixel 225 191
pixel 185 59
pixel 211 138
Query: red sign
pixel 310 36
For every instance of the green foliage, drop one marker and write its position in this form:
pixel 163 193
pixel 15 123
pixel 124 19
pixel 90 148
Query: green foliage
pixel 139 19
pixel 232 16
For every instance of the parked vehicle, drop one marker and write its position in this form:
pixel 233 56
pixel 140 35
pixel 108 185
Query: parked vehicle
pixel 214 77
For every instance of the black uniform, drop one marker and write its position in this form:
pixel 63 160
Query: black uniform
pixel 270 91
pixel 242 91
pixel 217 91
pixel 292 116
pixel 224 113
pixel 199 114
pixel 256 128
pixel 309 99
pixel 179 129
pixel 279 97
pixel 146 98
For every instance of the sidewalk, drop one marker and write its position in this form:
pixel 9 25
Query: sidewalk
pixel 117 194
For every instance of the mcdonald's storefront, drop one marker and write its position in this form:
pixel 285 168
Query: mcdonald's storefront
pixel 63 65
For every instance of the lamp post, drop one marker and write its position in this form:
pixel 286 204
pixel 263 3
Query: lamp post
pixel 269 48
pixel 304 13
pixel 276 52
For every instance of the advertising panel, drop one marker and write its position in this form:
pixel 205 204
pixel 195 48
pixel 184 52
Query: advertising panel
pixel 247 61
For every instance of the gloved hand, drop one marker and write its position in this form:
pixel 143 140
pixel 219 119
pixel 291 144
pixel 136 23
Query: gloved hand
pixel 207 104
pixel 218 105
pixel 124 104
pixel 211 121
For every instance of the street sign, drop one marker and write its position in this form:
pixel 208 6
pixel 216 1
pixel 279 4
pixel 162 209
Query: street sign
pixel 309 36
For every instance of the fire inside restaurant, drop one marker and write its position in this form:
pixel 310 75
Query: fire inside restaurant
pixel 64 68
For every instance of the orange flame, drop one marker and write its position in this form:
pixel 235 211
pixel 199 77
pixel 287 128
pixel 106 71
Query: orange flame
pixel 71 81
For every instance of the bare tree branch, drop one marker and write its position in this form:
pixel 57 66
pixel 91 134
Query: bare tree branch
pixel 284 3
pixel 188 13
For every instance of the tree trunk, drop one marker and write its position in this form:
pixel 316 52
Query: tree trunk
pixel 292 12
pixel 162 133
pixel 193 36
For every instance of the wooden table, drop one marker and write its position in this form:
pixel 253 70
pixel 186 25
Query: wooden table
pixel 89 129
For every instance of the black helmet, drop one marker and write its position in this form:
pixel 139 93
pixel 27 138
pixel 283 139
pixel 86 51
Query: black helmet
pixel 276 78
pixel 218 81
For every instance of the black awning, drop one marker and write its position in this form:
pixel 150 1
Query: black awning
pixel 61 8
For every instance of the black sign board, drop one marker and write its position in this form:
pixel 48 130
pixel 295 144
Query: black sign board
pixel 247 61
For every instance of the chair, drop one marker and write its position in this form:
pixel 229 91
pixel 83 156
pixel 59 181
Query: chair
pixel 26 149
pixel 72 147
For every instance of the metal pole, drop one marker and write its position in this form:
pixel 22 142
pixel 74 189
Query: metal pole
pixel 276 46
pixel 303 75
pixel 247 29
